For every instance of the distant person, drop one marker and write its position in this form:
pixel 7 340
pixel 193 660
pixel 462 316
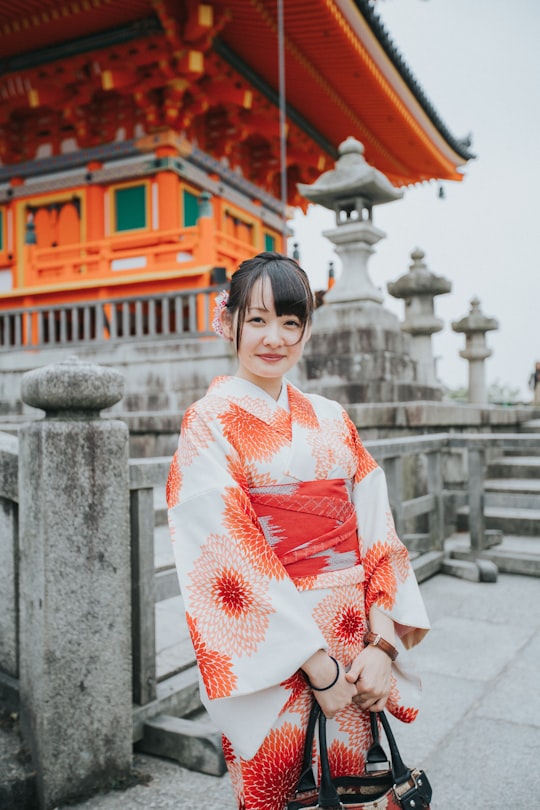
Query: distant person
pixel 296 586
pixel 534 383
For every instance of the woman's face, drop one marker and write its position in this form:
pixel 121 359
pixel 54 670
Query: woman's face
pixel 270 344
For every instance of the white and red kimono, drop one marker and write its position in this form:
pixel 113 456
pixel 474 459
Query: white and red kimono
pixel 283 540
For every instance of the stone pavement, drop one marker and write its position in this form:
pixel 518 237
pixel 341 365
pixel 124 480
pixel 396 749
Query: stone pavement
pixel 478 734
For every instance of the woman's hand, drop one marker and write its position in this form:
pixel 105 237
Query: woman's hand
pixel 370 673
pixel 321 670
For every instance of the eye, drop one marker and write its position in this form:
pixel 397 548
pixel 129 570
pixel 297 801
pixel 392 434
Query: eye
pixel 256 319
pixel 293 322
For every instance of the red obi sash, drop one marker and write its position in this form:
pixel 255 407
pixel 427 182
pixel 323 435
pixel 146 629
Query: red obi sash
pixel 310 525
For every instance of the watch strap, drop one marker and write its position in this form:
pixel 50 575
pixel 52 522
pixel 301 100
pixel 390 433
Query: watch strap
pixel 376 640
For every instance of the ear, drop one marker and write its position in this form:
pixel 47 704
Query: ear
pixel 227 324
pixel 307 333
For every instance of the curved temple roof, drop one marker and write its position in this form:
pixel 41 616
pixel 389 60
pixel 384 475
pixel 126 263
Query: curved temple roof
pixel 344 75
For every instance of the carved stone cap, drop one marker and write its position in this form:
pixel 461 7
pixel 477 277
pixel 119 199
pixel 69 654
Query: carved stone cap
pixel 419 281
pixel 352 177
pixel 72 387
pixel 475 321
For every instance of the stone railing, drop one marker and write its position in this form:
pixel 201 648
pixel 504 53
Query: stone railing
pixel 77 653
pixel 185 314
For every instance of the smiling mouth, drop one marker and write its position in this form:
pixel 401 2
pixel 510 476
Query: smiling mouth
pixel 272 356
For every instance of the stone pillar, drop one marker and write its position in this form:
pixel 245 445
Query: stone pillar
pixel 418 288
pixel 475 325
pixel 9 555
pixel 75 653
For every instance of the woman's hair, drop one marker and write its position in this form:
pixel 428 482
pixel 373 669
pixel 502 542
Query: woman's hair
pixel 289 283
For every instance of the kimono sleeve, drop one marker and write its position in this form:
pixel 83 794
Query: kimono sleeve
pixel 249 626
pixel 390 583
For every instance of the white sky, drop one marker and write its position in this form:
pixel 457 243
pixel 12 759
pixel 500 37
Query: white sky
pixel 479 63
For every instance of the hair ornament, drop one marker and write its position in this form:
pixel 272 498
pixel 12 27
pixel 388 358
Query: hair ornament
pixel 222 299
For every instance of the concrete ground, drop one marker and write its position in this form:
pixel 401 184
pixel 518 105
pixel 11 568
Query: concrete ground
pixel 478 734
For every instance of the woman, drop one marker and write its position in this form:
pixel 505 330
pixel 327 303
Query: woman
pixel 295 584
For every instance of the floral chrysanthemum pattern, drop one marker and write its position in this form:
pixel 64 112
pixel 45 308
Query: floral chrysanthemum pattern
pixel 271 776
pixel 365 461
pixel 386 564
pixel 301 407
pixel 230 598
pixel 340 615
pixel 331 448
pixel 244 431
pixel 240 520
pixel 219 679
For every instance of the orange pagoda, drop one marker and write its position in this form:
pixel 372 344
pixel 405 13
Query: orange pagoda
pixel 148 146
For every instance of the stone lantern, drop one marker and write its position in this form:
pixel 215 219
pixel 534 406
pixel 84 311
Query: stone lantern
pixel 357 351
pixel 475 325
pixel 351 189
pixel 418 288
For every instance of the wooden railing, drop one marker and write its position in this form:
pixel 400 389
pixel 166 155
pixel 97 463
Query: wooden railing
pixel 148 251
pixel 180 314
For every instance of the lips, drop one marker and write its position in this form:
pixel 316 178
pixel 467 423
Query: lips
pixel 271 358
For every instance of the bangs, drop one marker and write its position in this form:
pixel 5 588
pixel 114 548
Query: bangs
pixel 291 295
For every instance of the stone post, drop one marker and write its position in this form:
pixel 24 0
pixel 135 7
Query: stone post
pixel 475 325
pixel 418 288
pixel 9 555
pixel 75 652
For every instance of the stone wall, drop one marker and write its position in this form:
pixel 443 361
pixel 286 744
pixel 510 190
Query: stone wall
pixel 165 375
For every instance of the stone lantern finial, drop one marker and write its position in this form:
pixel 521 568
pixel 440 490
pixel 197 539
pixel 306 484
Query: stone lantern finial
pixel 475 325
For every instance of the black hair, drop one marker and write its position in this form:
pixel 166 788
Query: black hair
pixel 289 282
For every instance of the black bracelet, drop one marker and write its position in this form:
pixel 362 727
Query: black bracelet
pixel 330 685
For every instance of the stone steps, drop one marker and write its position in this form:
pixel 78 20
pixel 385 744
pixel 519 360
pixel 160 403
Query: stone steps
pixel 521 493
pixel 524 467
pixel 523 522
pixel 514 555
pixel 511 495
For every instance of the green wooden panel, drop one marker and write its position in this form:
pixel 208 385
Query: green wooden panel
pixel 269 242
pixel 191 209
pixel 130 208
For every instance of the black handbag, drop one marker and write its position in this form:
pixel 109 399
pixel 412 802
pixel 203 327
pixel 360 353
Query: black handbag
pixel 384 786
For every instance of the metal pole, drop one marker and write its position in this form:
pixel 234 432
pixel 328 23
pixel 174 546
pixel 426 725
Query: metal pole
pixel 282 115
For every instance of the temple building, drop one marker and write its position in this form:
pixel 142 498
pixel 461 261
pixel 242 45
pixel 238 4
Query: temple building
pixel 149 146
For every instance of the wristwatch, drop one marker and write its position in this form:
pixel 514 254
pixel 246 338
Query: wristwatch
pixel 378 641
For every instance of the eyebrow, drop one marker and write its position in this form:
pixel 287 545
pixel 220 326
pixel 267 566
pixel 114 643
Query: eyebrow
pixel 258 309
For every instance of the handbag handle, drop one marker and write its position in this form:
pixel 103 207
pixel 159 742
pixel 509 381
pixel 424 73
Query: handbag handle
pixel 328 795
pixel 307 778
pixel 399 769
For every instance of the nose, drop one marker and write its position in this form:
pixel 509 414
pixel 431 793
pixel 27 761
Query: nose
pixel 272 335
